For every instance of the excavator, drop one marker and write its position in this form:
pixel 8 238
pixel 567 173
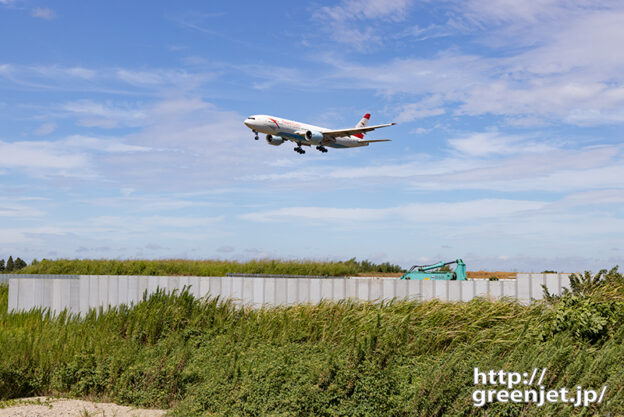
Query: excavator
pixel 429 272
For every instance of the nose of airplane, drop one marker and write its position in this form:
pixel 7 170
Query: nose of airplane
pixel 250 122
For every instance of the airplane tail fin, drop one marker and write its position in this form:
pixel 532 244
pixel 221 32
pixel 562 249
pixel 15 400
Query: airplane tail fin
pixel 362 123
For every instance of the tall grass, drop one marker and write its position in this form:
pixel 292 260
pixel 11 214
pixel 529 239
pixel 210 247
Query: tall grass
pixel 202 357
pixel 203 268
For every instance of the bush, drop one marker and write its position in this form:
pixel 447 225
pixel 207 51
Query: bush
pixel 591 310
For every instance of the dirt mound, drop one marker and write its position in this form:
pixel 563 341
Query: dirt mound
pixel 60 407
pixel 469 274
pixel 491 274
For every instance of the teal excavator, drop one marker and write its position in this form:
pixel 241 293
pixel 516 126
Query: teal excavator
pixel 428 272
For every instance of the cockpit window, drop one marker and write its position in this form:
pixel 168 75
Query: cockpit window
pixel 251 118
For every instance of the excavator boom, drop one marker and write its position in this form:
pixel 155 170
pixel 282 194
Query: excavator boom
pixel 428 272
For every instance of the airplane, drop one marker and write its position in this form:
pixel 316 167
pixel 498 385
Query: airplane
pixel 278 130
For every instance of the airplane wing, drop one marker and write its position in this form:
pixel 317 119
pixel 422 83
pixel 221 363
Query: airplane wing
pixel 353 130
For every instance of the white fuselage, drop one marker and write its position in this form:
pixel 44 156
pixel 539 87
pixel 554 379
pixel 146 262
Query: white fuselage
pixel 295 131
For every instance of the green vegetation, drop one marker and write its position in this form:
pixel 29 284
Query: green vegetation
pixel 204 268
pixel 202 357
pixel 12 266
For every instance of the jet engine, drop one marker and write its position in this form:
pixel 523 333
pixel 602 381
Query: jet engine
pixel 274 140
pixel 313 137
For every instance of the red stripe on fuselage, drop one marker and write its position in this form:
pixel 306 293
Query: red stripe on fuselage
pixel 273 120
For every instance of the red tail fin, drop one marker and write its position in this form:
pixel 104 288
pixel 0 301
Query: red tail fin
pixel 362 123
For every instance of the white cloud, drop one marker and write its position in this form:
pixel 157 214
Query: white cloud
pixel 547 61
pixel 45 129
pixel 430 106
pixel 43 13
pixel 9 209
pixel 105 115
pixel 110 145
pixel 128 224
pixel 139 77
pixel 415 213
pixel 352 22
pixel 555 171
pixel 38 158
pixel 72 156
pixel 393 10
pixel 79 72
pixel 594 198
pixel 225 249
pixel 120 81
pixel 493 142
pixel 479 161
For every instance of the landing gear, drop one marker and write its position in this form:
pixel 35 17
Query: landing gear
pixel 299 150
pixel 322 148
pixel 256 137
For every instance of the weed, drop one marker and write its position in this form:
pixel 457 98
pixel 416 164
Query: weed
pixel 399 358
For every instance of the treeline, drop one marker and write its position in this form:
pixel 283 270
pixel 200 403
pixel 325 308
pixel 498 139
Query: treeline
pixel 12 265
pixel 205 267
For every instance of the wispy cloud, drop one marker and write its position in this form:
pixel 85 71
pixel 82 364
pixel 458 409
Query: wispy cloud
pixel 45 129
pixel 43 158
pixel 120 81
pixel 355 22
pixel 43 13
pixel 71 157
pixel 13 210
pixel 495 143
pixel 106 114
pixel 418 213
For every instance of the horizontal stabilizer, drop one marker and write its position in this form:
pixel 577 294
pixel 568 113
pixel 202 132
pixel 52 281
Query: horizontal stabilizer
pixel 375 140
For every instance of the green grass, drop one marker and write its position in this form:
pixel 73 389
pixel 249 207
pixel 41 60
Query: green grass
pixel 203 268
pixel 201 357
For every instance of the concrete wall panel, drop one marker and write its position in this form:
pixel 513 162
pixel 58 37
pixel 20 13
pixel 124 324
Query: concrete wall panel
pixel 14 289
pixel 454 290
pixel 414 292
pixel 481 288
pixel 315 290
pixel 388 288
pixel 292 291
pixel 340 289
pixel 523 288
pixel 352 289
pixel 327 289
pixel 362 289
pixel 122 288
pixel 81 293
pixel 428 290
pixel 248 291
pixel 440 290
pixel 375 290
pixel 257 298
pixel 269 291
pixel 508 288
pixel 281 291
pixel 467 290
pixel 553 284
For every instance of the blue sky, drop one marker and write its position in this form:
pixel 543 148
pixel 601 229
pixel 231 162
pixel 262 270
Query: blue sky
pixel 121 131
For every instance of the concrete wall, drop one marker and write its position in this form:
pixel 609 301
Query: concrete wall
pixel 80 293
